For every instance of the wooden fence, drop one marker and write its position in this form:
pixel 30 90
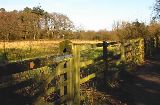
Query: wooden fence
pixel 59 79
pixel 133 52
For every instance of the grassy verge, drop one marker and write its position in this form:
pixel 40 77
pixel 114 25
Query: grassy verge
pixel 14 54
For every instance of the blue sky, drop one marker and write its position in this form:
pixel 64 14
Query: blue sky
pixel 90 14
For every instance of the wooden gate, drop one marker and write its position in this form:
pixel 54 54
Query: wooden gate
pixel 58 79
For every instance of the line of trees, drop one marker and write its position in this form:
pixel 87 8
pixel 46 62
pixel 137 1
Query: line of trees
pixel 136 29
pixel 33 23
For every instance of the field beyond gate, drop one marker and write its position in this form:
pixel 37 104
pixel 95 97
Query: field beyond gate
pixel 62 79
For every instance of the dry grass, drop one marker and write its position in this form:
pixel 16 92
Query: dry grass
pixel 42 43
pixel 25 44
pixel 20 50
pixel 95 97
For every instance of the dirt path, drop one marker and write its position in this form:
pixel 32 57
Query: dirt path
pixel 142 87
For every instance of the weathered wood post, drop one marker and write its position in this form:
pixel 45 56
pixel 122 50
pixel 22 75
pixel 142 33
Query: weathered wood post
pixel 105 52
pixel 70 88
pixel 66 48
pixel 76 74
pixel 73 73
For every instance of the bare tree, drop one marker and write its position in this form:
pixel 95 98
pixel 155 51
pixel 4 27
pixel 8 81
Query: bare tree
pixel 156 11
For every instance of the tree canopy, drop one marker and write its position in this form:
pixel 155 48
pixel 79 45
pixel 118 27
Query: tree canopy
pixel 32 23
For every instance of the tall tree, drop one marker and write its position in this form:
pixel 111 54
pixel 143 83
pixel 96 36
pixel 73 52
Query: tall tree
pixel 9 25
pixel 157 10
pixel 61 24
pixel 33 23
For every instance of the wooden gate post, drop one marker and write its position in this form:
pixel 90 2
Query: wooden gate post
pixel 66 48
pixel 73 73
pixel 76 74
pixel 70 91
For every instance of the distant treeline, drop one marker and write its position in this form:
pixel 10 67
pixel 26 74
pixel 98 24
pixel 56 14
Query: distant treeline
pixel 35 23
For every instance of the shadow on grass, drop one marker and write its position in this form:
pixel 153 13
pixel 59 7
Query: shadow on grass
pixel 24 93
pixel 9 97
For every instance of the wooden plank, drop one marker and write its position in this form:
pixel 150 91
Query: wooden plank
pixel 50 90
pixel 112 43
pixel 23 76
pixel 99 45
pixel 91 76
pixel 86 63
pixel 57 72
pixel 32 64
pixel 70 85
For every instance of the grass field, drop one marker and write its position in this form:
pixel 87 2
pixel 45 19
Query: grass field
pixel 28 49
pixel 21 50
pixel 24 44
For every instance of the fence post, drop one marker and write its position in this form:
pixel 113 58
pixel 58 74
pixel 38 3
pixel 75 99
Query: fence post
pixel 76 73
pixel 105 52
pixel 65 47
pixel 70 91
pixel 60 67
